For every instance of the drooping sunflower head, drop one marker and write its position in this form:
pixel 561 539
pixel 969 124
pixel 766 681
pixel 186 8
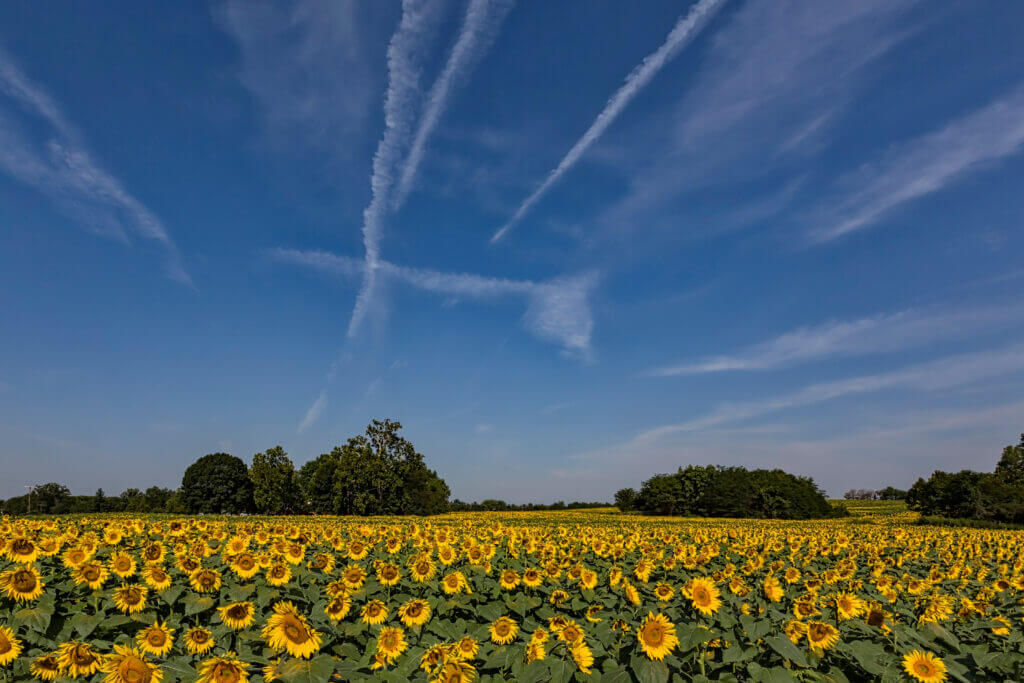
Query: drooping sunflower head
pixel 455 672
pixel 45 667
pixel 198 640
pixel 127 665
pixel 657 636
pixel 78 659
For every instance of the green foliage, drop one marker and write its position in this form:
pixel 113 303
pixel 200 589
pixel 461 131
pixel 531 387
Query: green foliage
pixel 714 491
pixel 276 489
pixel 625 499
pixel 217 483
pixel 968 495
pixel 1011 465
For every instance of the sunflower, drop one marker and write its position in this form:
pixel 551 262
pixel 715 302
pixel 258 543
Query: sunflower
pixel 238 615
pixel 509 579
pixel 532 578
pixel 128 665
pixel 388 574
pixel 156 578
pixel 22 551
pixel 558 596
pixel 130 598
pixel 592 612
pixel 705 596
pixel 821 636
pixel 588 579
pixel 288 630
pixel 535 651
pixel 224 669
pixel 657 636
pixel 433 657
pixel 570 632
pixel 466 648
pixel 1003 630
pixel 91 574
pixel 338 608
pixel 245 566
pixel 630 591
pixel 321 562
pixel 454 583
pixel 795 630
pixel 45 667
pixel 153 552
pixel 924 667
pixel 849 605
pixel 10 647
pixel 156 640
pixel 123 565
pixel 582 655
pixel 78 659
pixel 74 557
pixel 455 672
pixel 205 580
pixel 772 589
pixel 374 612
pixel 391 643
pixel 279 574
pixel 422 570
pixel 504 630
pixel 198 640
pixel 664 591
pixel 22 584
pixel 414 613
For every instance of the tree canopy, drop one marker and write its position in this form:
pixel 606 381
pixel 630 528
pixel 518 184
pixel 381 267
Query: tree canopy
pixel 217 483
pixel 276 488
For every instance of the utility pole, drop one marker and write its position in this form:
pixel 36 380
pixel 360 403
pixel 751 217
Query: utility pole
pixel 31 488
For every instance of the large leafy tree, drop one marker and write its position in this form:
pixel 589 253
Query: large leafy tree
pixel 1011 465
pixel 217 483
pixel 276 489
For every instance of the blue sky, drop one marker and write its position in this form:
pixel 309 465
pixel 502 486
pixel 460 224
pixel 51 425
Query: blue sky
pixel 567 246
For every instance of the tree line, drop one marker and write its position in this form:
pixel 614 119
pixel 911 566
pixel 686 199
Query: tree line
pixel 717 491
pixel 376 473
pixel 888 493
pixel 991 496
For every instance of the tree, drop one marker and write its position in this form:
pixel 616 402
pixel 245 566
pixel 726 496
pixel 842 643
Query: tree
pixel 625 499
pixel 99 503
pixel 276 489
pixel 217 483
pixel 1011 465
pixel 157 498
pixel 51 498
pixel 317 480
pixel 891 493
pixel 132 500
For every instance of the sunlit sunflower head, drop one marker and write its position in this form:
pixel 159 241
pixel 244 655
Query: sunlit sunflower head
pixel 238 615
pixel 924 667
pixel 414 613
pixel 205 580
pixel 22 551
pixel 225 669
pixel 422 570
pixel 433 657
pixel 570 632
pixel 592 613
pixel 245 566
pixel 631 593
pixel 504 630
pixel 91 574
pixel 127 665
pixel 849 605
pixel 821 636
pixel 455 672
pixel 453 583
pixel 130 597
pixel 391 643
pixel 279 574
pixel 558 596
pixel 664 591
pixel 582 655
pixel 156 640
pixel 705 596
pixel 338 608
pixel 74 557
pixel 153 552
pixel 45 667
pixel 123 565
pixel 657 636
pixel 374 612
pixel 287 630
pixel 795 630
pixel 198 640
pixel 508 579
pixel 78 659
pixel 156 578
pixel 388 574
pixel 10 647
pixel 23 584
pixel 466 648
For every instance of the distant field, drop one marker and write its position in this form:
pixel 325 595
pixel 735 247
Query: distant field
pixel 530 596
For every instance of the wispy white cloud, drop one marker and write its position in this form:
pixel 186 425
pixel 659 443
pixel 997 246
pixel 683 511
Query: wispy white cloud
pixel 307 66
pixel 924 166
pixel 684 31
pixel 416 31
pixel 480 27
pixel 558 310
pixel 777 75
pixel 876 334
pixel 64 171
pixel 951 371
pixel 314 412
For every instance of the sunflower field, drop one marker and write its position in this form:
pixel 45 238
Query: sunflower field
pixel 506 596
